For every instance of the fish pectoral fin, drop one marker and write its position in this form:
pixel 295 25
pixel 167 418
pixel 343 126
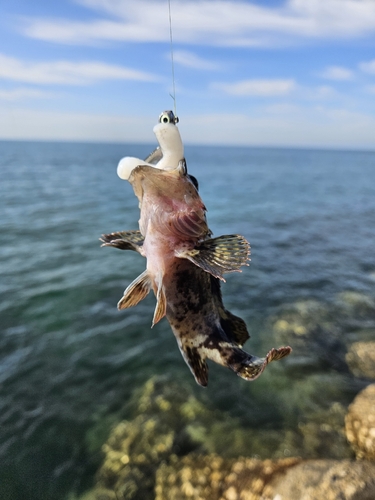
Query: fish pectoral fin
pixel 136 291
pixel 161 305
pixel 196 363
pixel 221 255
pixel 124 240
pixel 234 327
pixel 251 367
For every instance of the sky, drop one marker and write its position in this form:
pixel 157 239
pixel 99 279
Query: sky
pixel 290 73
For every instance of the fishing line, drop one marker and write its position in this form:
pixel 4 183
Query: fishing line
pixel 171 44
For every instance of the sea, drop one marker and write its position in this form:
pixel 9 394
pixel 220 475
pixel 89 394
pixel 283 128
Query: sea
pixel 70 362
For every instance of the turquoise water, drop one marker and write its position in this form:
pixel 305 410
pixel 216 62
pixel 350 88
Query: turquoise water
pixel 70 361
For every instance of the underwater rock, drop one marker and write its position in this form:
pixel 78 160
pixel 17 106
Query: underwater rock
pixel 175 447
pixel 358 304
pixel 213 478
pixel 360 424
pixel 361 359
pixel 324 434
pixel 135 448
pixel 325 479
pixel 313 331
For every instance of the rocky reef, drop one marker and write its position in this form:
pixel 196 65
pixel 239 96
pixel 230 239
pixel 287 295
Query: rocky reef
pixel 161 455
pixel 175 447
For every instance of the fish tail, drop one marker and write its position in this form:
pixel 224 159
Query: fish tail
pixel 251 367
pixel 245 365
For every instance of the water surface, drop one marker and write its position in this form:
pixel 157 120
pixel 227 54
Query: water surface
pixel 70 361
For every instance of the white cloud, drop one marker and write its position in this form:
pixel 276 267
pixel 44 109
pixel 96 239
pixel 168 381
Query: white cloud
pixel 191 60
pixel 214 22
pixel 20 123
pixel 301 127
pixel 20 94
pixel 316 93
pixel 368 67
pixel 66 72
pixel 265 88
pixel 337 73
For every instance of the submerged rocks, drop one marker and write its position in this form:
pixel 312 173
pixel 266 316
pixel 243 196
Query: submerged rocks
pixel 361 359
pixel 358 304
pixel 163 453
pixel 135 449
pixel 312 330
pixel 173 447
pixel 360 424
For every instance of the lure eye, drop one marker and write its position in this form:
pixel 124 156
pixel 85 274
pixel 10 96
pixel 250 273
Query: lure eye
pixel 168 117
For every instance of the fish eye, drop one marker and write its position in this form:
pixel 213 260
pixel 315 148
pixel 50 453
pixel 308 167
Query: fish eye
pixel 168 117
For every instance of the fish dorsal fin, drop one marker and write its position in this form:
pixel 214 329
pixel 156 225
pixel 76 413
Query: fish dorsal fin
pixel 234 327
pixel 196 363
pixel 161 305
pixel 124 240
pixel 217 256
pixel 136 291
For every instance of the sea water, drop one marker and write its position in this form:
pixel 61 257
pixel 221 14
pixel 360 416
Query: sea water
pixel 70 361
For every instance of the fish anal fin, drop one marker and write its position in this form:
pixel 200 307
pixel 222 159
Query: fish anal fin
pixel 234 327
pixel 196 363
pixel 218 256
pixel 161 305
pixel 136 291
pixel 124 240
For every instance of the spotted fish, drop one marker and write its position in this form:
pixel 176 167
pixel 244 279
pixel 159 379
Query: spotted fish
pixel 184 268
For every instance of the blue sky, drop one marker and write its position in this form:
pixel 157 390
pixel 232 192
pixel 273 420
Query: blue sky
pixel 281 72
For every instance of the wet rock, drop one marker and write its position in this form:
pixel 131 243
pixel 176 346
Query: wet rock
pixel 360 424
pixel 213 478
pixel 324 479
pixel 361 359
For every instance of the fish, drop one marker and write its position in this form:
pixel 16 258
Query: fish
pixel 185 268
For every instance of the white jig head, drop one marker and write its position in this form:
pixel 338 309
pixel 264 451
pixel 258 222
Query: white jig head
pixel 168 154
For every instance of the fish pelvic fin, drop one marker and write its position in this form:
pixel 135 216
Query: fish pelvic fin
pixel 136 291
pixel 124 240
pixel 251 367
pixel 217 256
pixel 196 363
pixel 161 305
pixel 234 327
